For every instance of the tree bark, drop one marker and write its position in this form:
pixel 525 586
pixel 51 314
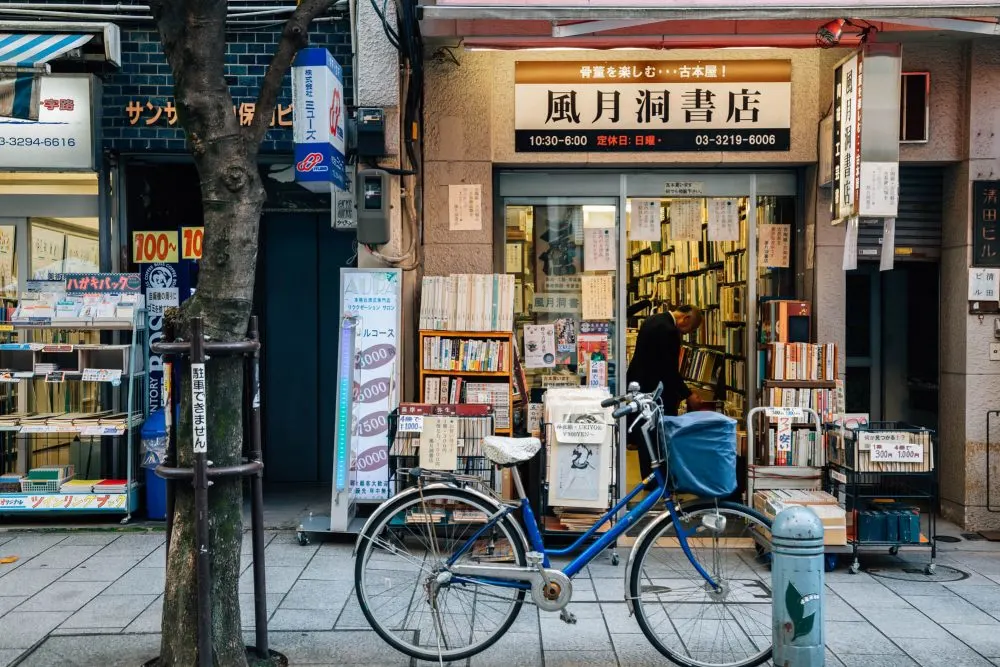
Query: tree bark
pixel 193 33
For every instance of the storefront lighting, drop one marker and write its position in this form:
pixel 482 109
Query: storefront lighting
pixel 830 33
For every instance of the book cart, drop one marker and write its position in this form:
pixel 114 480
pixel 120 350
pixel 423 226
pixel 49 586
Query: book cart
pixel 885 477
pixel 70 412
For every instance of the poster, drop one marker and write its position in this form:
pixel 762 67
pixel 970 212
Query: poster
pixel 774 246
pixel 373 297
pixel 539 346
pixel 645 220
pixel 566 330
pixel 563 284
pixel 851 245
pixel 82 255
pixel 600 252
pixel 723 220
pixel 7 261
pixel 888 258
pixel 597 298
pixel 592 358
pixel 47 252
pixel 160 283
pixel 439 443
pixel 465 208
pixel 685 220
pixel 515 257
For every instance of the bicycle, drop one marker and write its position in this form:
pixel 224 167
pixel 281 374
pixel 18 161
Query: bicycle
pixel 488 571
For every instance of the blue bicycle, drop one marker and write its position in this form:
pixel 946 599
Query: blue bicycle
pixel 443 568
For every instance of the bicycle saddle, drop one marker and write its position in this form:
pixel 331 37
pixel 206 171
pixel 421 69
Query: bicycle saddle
pixel 508 451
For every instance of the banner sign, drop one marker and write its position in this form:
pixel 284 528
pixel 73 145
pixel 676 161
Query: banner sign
pixel 318 120
pixel 655 106
pixel 162 292
pixel 373 297
pixel 62 138
pixel 150 247
pixel 985 242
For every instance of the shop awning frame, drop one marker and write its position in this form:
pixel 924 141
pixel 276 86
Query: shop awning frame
pixel 55 30
pixel 662 10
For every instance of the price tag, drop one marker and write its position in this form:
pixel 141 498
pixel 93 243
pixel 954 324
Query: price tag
pixel 788 413
pixel 192 239
pixel 96 431
pixel 411 424
pixel 590 434
pixel 101 375
pixel 784 443
pixel 56 377
pixel 150 247
pixel 897 452
pixel 838 476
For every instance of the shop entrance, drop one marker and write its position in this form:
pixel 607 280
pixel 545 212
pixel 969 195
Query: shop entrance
pixel 298 289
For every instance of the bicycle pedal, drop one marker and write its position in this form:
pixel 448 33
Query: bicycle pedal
pixel 534 558
pixel 566 616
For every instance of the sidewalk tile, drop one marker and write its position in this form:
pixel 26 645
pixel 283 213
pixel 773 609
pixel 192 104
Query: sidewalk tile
pixel 587 634
pixel 310 648
pixel 134 545
pixel 521 649
pixel 102 568
pixel 247 608
pixel 834 661
pixel 299 619
pixel 985 598
pixel 597 658
pixel 868 596
pixel 876 661
pixel 838 610
pixel 326 568
pixel 904 587
pixel 62 557
pixel 635 651
pixel 28 581
pixel 140 581
pixel 109 611
pixel 857 638
pixel 619 621
pixel 279 579
pixel 8 656
pixel 950 652
pixel 984 639
pixel 150 620
pixel 29 546
pixel 326 595
pixel 8 602
pixel 290 554
pixel 953 610
pixel 351 617
pixel 82 539
pixel 104 650
pixel 526 621
pixel 610 590
pixel 158 558
pixel 904 623
pixel 23 629
pixel 64 596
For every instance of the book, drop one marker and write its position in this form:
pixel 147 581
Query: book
pixel 467 302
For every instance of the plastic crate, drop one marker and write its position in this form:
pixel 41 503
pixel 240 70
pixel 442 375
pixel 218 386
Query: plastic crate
pixel 42 486
pixel 882 447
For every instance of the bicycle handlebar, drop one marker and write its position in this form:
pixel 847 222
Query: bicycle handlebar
pixel 634 402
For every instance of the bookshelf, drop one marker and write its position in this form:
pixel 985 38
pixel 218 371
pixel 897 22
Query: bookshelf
pixel 470 367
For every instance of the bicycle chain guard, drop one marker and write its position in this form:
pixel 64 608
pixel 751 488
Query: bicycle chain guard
pixel 555 594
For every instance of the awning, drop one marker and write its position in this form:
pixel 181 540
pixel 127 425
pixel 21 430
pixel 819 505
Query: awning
pixel 31 50
pixel 668 10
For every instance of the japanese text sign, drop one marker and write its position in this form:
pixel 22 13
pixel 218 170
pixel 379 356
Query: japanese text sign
pixel 153 112
pixel 62 138
pixel 101 283
pixel 199 416
pixel 984 284
pixel 638 106
pixel 151 247
pixel 985 202
pixel 318 120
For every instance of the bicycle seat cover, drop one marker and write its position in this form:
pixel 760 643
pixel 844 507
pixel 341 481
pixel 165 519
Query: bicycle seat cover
pixel 506 451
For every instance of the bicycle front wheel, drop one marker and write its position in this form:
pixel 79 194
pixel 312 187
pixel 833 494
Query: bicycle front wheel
pixel 687 619
pixel 402 580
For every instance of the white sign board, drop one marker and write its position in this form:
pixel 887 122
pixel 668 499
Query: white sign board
pixel 318 120
pixel 984 284
pixel 199 416
pixel 62 138
pixel 410 424
pixel 373 297
pixel 589 434
pixel 896 452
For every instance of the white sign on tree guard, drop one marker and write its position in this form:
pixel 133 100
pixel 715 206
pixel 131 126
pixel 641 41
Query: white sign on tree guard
pixel 199 418
pixel 373 297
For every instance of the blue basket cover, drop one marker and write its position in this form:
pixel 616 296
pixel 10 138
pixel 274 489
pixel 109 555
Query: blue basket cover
pixel 701 451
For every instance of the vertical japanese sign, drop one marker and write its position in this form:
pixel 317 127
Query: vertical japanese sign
pixel 846 144
pixel 161 286
pixel 985 245
pixel 659 105
pixel 984 284
pixel 199 425
pixel 373 297
pixel 318 120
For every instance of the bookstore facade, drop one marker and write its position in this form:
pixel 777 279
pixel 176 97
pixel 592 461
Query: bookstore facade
pixel 616 183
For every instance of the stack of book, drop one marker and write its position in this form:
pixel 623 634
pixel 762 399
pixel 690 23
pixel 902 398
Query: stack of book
pixel 79 486
pixel 802 361
pixel 456 354
pixel 111 486
pixel 467 302
pixel 823 401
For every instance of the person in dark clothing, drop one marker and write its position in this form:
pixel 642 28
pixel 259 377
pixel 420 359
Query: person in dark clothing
pixel 656 359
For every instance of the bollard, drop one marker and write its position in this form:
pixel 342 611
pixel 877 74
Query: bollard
pixel 797 589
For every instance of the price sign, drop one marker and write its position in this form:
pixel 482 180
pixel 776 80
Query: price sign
pixel 587 433
pixel 411 423
pixel 787 413
pixel 784 434
pixel 192 238
pixel 897 452
pixel 153 247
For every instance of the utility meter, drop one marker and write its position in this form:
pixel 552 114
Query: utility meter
pixel 372 191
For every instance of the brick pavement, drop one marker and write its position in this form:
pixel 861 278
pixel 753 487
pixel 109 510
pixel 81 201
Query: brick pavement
pixel 68 588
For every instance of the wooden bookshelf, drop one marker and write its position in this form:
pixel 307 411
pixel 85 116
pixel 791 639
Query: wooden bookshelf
pixel 506 375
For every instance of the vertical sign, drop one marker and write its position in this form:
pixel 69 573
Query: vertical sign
pixel 372 296
pixel 845 148
pixel 199 424
pixel 985 246
pixel 160 283
pixel 318 120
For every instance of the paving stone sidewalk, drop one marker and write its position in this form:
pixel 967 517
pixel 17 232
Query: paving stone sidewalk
pixel 93 599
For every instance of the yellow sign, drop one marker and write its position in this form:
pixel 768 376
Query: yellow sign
pixel 150 247
pixel 192 238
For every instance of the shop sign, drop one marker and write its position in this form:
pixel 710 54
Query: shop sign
pixel 102 283
pixel 154 112
pixel 866 133
pixel 318 120
pixel 985 203
pixel 150 247
pixel 192 240
pixel 373 297
pixel 162 292
pixel 62 138
pixel 652 106
pixel 68 501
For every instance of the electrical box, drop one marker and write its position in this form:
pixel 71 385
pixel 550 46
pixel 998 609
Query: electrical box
pixel 370 133
pixel 372 188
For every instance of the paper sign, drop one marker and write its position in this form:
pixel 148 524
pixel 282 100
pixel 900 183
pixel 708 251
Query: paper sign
pixel 851 245
pixel 879 195
pixel 55 377
pixel 536 412
pixel 544 302
pixel 600 251
pixel 784 443
pixel 897 452
pixel 465 208
pixel 645 220
pixel 439 443
pixel 539 346
pixel 151 247
pixel 562 284
pixel 590 434
pixel 984 284
pixel 101 375
pixel 199 425
pixel 192 240
pixel 723 220
pixel 683 188
pixel 888 257
pixel 597 297
pixel 550 381
pixel 786 413
pixel 685 220
pixel 410 424
pixel 774 245
pixel 515 258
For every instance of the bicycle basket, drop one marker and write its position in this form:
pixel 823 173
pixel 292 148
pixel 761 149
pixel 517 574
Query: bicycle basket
pixel 701 453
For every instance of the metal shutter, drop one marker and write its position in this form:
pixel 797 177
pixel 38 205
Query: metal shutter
pixel 918 225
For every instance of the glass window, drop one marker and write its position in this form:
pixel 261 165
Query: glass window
pixel 63 245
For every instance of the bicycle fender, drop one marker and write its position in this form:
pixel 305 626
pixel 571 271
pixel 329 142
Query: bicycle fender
pixel 487 500
pixel 664 517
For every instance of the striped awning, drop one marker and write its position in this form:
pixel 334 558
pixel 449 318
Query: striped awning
pixel 30 50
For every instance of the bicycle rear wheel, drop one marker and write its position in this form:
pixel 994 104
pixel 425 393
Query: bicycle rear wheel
pixel 684 617
pixel 402 582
